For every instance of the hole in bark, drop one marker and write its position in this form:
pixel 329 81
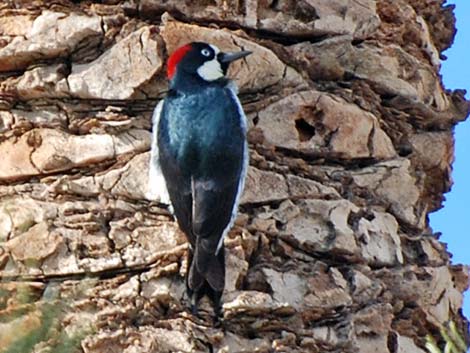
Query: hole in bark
pixel 274 4
pixel 331 233
pixel 251 334
pixel 387 97
pixel 256 280
pixel 210 346
pixel 357 42
pixel 424 277
pixel 355 217
pixel 205 3
pixel 414 253
pixel 305 12
pixel 392 342
pixel 279 225
pixel 305 130
pixel 405 148
pixel 348 76
pixel 81 251
pixel 240 7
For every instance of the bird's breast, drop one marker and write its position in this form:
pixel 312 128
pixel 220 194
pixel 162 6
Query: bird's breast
pixel 202 129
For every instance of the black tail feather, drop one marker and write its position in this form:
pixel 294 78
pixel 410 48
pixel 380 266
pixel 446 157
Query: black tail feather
pixel 206 276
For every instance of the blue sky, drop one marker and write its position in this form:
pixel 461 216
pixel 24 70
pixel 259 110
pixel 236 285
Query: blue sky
pixel 454 219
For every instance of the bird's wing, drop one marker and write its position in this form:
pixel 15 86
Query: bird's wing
pixel 214 207
pixel 179 189
pixel 181 199
pixel 215 200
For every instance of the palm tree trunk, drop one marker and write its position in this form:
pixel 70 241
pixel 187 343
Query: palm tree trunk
pixel 351 147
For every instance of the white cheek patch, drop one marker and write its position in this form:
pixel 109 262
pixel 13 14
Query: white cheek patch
pixel 211 70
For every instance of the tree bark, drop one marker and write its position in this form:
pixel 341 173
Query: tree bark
pixel 351 146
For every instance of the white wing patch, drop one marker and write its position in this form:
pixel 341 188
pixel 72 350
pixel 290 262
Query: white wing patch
pixel 241 183
pixel 157 190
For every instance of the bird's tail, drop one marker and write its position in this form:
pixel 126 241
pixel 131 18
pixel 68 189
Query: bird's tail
pixel 206 275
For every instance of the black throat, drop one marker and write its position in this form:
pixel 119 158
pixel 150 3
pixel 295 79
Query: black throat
pixel 187 82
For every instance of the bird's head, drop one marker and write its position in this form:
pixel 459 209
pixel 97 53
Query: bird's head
pixel 201 59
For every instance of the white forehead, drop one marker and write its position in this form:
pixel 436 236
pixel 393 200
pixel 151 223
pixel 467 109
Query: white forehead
pixel 215 49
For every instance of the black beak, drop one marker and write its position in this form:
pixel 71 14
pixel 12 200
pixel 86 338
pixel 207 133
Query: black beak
pixel 229 57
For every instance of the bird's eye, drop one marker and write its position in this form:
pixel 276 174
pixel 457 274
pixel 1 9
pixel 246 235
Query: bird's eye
pixel 206 52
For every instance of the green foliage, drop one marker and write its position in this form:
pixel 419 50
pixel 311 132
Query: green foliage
pixel 454 342
pixel 48 332
pixel 45 318
pixel 27 342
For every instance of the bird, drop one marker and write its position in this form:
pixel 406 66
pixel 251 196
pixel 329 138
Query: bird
pixel 199 159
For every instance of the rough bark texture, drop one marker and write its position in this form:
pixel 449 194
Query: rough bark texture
pixel 351 147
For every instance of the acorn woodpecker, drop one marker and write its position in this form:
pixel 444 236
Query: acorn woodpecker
pixel 199 148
